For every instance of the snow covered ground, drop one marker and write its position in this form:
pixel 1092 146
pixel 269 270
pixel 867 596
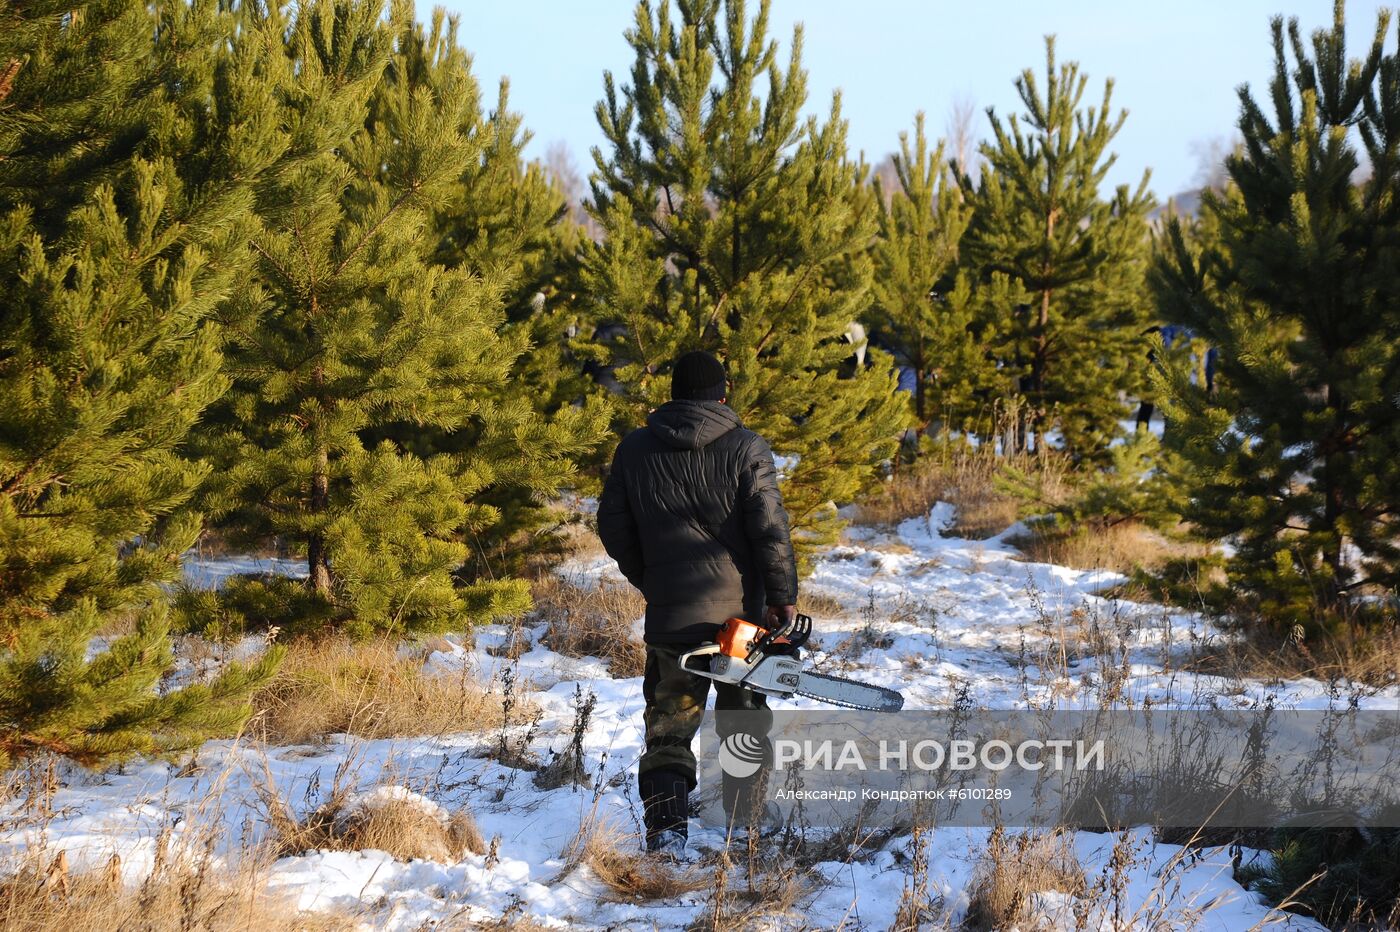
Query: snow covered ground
pixel 210 572
pixel 933 616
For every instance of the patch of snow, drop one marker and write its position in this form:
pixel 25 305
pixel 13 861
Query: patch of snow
pixel 201 572
pixel 381 797
pixel 959 620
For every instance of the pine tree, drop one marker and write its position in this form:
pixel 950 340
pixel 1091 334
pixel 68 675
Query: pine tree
pixel 1038 218
pixel 924 310
pixel 129 137
pixel 1295 458
pixel 737 226
pixel 507 219
pixel 353 341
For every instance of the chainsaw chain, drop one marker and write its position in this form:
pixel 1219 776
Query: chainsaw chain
pixel 843 682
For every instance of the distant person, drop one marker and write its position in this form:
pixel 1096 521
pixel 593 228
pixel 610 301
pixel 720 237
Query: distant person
pixel 692 514
pixel 1145 405
pixel 1170 332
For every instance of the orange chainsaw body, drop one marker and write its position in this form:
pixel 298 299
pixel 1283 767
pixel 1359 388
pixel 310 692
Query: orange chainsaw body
pixel 736 637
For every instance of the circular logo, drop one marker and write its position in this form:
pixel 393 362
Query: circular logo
pixel 741 755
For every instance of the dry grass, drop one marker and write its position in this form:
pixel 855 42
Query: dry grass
pixel 966 477
pixel 181 896
pixel 515 919
pixel 1012 870
pixel 369 689
pixel 186 887
pixel 408 833
pixel 1364 655
pixel 766 895
pixel 1121 548
pixel 820 604
pixel 614 857
pixel 405 827
pixel 592 619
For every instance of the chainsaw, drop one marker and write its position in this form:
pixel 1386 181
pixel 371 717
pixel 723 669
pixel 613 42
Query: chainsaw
pixel 767 662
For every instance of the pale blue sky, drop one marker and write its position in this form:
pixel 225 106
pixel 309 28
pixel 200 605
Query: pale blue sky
pixel 1176 64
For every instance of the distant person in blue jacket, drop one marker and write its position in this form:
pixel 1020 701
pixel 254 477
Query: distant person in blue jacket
pixel 1170 333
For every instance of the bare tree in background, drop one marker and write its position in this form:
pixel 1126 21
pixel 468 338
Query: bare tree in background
pixel 960 146
pixel 962 138
pixel 1210 154
pixel 560 166
pixel 887 175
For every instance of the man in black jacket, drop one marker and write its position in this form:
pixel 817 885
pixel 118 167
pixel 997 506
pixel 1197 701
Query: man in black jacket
pixel 692 514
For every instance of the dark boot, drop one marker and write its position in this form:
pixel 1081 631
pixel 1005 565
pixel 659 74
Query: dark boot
pixel 665 807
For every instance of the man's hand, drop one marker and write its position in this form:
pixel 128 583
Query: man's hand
pixel 778 616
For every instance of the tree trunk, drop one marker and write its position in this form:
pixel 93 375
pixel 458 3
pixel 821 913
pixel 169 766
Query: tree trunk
pixel 317 558
pixel 1334 502
pixel 1042 337
pixel 1038 367
pixel 316 555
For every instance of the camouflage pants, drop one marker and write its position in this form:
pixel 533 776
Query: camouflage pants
pixel 675 704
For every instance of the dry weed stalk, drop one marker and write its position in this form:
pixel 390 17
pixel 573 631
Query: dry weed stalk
pixel 915 905
pixel 569 767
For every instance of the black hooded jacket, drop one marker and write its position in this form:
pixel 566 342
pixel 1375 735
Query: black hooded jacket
pixel 692 514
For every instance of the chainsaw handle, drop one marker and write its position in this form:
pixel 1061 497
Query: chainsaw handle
pixel 704 650
pixel 803 631
pixel 797 631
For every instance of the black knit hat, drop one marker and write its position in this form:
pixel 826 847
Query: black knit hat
pixel 698 376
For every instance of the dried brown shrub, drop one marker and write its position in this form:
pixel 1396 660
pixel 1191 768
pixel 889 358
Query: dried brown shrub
pixel 1364 657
